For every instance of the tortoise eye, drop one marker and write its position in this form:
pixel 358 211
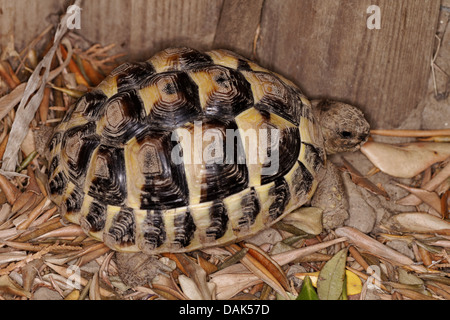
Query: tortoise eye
pixel 346 134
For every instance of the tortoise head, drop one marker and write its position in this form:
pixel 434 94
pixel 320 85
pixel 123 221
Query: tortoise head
pixel 344 127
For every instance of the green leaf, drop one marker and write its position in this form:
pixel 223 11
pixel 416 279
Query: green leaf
pixel 308 292
pixel 331 280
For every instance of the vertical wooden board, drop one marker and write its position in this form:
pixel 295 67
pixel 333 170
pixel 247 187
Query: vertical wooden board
pixel 106 22
pixel 25 19
pixel 238 25
pixel 326 48
pixel 137 27
pixel 143 27
pixel 167 23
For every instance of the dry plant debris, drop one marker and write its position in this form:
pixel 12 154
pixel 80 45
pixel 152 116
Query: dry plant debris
pixel 42 258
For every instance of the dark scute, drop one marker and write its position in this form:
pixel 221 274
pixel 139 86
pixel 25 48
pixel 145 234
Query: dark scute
pixel 281 99
pixel 251 207
pixel 110 189
pixel 58 184
pixel 124 114
pixel 185 107
pixel 56 138
pixel 283 158
pixel 243 65
pixel 280 191
pixel 315 156
pixel 91 104
pixel 302 181
pixel 165 188
pixel 131 75
pixel 190 58
pixel 219 220
pixel 96 216
pixel 265 114
pixel 74 201
pixel 222 180
pixel 184 228
pixel 54 163
pixel 154 232
pixel 123 228
pixel 234 97
pixel 229 175
pixel 87 140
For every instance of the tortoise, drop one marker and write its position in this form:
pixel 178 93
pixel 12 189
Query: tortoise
pixel 126 164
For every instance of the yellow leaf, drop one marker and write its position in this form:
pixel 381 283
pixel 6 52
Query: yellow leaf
pixel 74 295
pixel 354 284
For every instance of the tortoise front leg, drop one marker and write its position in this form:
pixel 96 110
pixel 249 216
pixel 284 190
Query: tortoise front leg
pixel 330 197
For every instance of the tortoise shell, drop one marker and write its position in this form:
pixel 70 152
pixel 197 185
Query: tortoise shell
pixel 157 158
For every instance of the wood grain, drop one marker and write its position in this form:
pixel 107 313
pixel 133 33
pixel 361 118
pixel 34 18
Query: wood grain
pixel 326 47
pixel 25 19
pixel 323 46
pixel 143 27
pixel 238 25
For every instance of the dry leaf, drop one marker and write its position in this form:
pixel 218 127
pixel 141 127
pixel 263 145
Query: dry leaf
pixel 307 219
pixel 35 213
pixel 431 185
pixel 94 289
pixel 5 212
pixel 261 272
pixel 66 273
pixel 363 182
pixel 191 290
pixel 206 265
pixel 8 286
pixel 69 231
pixel 371 245
pixel 10 190
pixel 270 264
pixel 289 256
pixel 167 288
pixel 414 295
pixel 30 197
pixel 73 295
pixel 12 256
pixel 230 284
pixel 430 198
pixel 418 222
pixel 198 276
pixel 407 160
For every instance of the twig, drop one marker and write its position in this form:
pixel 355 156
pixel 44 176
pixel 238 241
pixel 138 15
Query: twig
pixel 411 133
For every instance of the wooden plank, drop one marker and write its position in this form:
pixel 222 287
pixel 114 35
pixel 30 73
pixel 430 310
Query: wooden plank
pixel 326 48
pixel 143 27
pixel 138 27
pixel 238 25
pixel 25 19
